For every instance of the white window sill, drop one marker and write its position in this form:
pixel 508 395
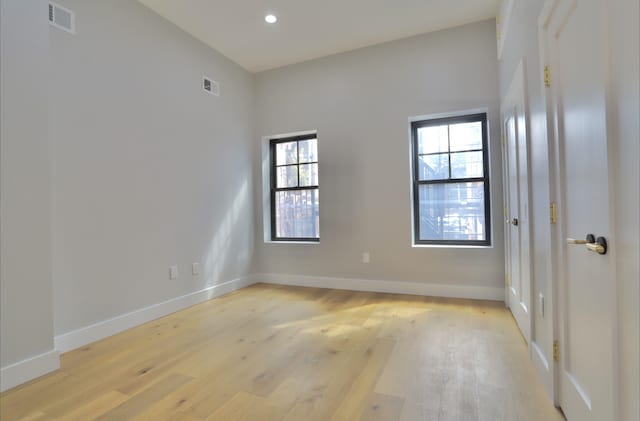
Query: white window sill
pixel 445 246
pixel 315 243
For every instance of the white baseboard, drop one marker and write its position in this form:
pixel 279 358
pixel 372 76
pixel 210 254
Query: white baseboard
pixel 539 359
pixel 543 366
pixel 86 335
pixel 29 369
pixel 394 287
pixel 37 366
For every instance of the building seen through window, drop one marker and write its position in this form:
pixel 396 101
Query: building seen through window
pixel 295 194
pixel 451 181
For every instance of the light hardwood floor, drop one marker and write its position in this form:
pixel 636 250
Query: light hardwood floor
pixel 299 354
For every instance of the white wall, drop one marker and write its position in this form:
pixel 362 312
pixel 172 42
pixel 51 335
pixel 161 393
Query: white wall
pixel 360 103
pixel 625 71
pixel 148 169
pixel 25 231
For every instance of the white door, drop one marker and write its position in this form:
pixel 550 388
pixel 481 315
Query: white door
pixel 574 40
pixel 517 203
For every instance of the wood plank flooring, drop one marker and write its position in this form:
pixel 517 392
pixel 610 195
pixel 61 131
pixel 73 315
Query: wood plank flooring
pixel 274 353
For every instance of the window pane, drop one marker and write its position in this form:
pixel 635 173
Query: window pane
pixel 297 214
pixel 466 165
pixel 433 139
pixel 308 175
pixel 308 150
pixel 286 153
pixel 433 167
pixel 287 176
pixel 452 211
pixel 466 136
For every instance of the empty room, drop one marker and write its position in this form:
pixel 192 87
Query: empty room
pixel 278 210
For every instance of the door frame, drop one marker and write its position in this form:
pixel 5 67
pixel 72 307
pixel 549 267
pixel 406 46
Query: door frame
pixel 557 229
pixel 518 82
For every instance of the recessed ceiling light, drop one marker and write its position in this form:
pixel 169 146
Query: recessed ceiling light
pixel 271 19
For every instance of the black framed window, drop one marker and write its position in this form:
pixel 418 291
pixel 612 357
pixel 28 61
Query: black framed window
pixel 451 197
pixel 295 194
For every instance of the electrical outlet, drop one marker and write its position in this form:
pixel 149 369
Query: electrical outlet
pixel 195 268
pixel 366 257
pixel 173 272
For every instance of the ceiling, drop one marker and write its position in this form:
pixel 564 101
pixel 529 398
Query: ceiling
pixel 310 29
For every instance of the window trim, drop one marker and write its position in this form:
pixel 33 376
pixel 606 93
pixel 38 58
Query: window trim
pixel 416 182
pixel 273 186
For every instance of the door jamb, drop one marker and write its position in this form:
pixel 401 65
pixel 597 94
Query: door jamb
pixel 520 77
pixel 554 229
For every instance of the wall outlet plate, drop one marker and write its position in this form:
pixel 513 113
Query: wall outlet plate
pixel 195 268
pixel 173 272
pixel 366 257
pixel 210 86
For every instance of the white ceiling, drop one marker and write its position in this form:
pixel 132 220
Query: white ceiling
pixel 310 29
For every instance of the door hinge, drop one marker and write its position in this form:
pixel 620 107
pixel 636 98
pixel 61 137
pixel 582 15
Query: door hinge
pixel 547 76
pixel 553 212
pixel 507 280
pixel 556 351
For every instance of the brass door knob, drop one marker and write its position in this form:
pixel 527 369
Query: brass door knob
pixel 598 245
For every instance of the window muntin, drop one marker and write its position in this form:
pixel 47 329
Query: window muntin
pixel 295 195
pixel 451 181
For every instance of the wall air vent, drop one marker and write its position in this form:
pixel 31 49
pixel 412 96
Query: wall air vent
pixel 62 18
pixel 210 86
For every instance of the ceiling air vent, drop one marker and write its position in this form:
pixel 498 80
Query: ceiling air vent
pixel 62 18
pixel 210 86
